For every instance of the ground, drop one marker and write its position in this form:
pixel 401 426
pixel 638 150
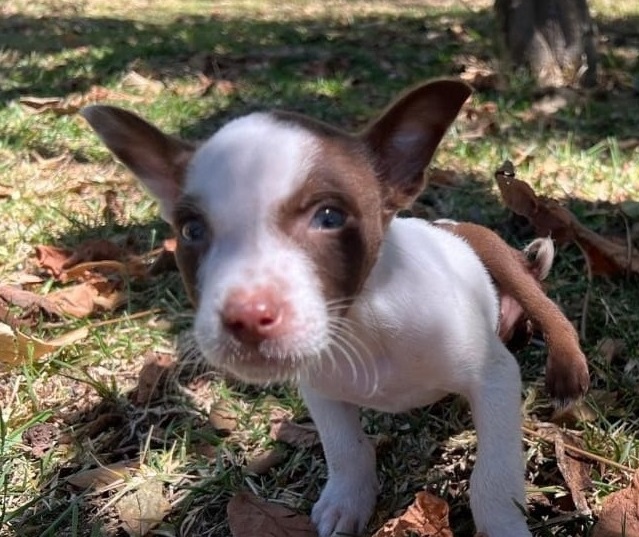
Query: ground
pixel 189 66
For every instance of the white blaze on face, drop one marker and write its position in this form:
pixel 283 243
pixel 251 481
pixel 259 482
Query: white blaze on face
pixel 241 177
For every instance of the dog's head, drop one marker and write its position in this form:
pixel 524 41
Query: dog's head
pixel 280 218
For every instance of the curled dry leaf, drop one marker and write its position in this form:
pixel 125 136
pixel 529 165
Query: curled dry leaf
pixel 619 514
pixel 427 516
pixel 263 462
pixel 250 516
pixel 56 261
pixel 17 348
pixel 104 476
pixel 143 509
pixel 575 470
pixel 63 106
pixel 294 434
pixel 604 256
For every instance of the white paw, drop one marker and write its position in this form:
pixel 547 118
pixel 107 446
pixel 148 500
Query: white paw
pixel 345 506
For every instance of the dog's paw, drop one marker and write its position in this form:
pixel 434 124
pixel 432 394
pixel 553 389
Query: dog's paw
pixel 345 506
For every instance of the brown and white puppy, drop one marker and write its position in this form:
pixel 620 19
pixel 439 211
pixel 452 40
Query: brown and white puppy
pixel 290 249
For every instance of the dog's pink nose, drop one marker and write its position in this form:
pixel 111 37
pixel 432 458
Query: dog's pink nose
pixel 253 317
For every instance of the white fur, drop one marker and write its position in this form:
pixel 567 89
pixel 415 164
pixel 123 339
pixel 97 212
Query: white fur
pixel 242 175
pixel 423 326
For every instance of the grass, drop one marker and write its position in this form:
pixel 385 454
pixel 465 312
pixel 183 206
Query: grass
pixel 340 62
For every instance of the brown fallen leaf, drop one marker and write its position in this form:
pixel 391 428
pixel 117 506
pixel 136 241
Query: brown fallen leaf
pixel 142 84
pixel 294 434
pixel 619 516
pixel 63 106
pixel 104 476
pixel 17 348
pixel 250 516
pixel 76 300
pixel 263 462
pixel 27 300
pixel 576 471
pixel 143 509
pixel 604 256
pixel 157 366
pixel 58 260
pixel 427 516
pixel 223 418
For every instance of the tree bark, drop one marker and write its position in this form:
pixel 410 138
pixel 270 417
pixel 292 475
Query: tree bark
pixel 555 39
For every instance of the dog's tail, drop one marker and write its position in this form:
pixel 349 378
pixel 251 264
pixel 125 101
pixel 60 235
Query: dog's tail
pixel 518 276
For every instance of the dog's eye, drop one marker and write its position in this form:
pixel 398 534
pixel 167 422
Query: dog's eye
pixel 193 230
pixel 328 218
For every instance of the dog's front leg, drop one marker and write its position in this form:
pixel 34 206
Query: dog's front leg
pixel 349 497
pixel 497 494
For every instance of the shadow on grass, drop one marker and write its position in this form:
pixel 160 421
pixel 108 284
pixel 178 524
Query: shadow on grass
pixel 332 69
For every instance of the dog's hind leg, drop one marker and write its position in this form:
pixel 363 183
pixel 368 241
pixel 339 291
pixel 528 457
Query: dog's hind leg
pixel 497 494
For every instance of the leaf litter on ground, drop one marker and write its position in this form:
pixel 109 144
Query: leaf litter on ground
pixel 605 256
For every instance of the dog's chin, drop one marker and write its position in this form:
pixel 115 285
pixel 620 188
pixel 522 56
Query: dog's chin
pixel 255 366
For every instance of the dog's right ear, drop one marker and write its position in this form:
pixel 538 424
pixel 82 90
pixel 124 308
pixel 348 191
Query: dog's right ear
pixel 157 159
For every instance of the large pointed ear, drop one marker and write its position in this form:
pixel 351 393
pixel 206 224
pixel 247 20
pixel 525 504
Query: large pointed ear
pixel 404 138
pixel 157 159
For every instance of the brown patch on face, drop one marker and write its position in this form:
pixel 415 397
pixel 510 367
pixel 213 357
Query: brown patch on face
pixel 342 178
pixel 189 217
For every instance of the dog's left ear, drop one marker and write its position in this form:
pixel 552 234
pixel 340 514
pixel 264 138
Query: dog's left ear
pixel 404 138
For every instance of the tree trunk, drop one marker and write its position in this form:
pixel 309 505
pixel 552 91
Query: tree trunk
pixel 555 39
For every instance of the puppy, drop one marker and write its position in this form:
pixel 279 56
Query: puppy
pixel 289 247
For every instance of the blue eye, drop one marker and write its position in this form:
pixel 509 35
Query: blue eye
pixel 193 230
pixel 328 218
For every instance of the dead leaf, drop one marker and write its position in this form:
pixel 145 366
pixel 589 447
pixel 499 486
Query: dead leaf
pixel 263 462
pixel 576 472
pixel 17 348
pixel 250 516
pixel 63 106
pixel 153 374
pixel 619 514
pixel 104 476
pixel 143 509
pixel 223 418
pixel 427 516
pixel 604 256
pixel 145 85
pixel 58 260
pixel 76 300
pixel 28 300
pixel 294 434
pixel 52 258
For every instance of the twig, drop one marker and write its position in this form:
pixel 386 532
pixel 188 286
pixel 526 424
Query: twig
pixel 578 451
pixel 584 307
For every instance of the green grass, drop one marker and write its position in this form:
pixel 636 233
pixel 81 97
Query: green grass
pixel 340 62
